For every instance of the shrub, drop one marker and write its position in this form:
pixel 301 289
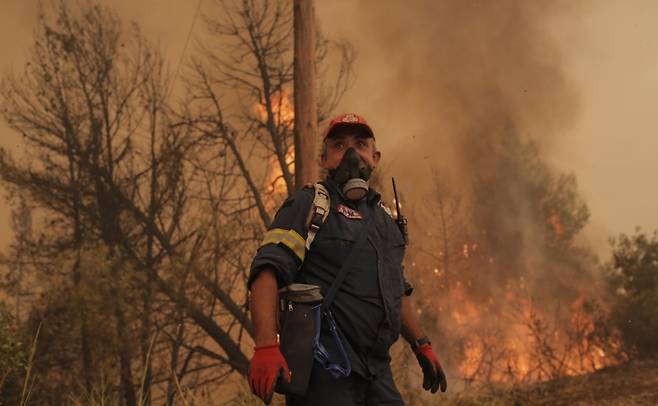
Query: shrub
pixel 633 278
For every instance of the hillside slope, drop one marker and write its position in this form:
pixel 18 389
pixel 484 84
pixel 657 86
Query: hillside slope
pixel 634 383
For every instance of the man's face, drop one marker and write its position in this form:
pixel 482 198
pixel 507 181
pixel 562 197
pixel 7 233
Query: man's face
pixel 337 144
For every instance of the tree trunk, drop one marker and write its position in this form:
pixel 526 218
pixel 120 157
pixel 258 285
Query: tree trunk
pixel 85 348
pixel 306 116
pixel 147 309
pixel 122 334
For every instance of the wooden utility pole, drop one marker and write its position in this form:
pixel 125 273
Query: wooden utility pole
pixel 306 115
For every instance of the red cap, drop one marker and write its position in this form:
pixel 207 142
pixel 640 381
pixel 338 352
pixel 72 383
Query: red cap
pixel 349 120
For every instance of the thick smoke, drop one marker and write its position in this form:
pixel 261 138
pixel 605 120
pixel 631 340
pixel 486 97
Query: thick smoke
pixel 468 94
pixel 433 74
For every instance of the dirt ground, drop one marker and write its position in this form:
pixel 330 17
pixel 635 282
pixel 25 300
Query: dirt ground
pixel 634 383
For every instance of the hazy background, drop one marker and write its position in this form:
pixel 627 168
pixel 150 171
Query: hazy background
pixel 606 51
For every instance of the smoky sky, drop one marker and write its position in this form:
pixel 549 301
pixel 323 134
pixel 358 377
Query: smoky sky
pixel 443 83
pixel 441 71
pixel 579 76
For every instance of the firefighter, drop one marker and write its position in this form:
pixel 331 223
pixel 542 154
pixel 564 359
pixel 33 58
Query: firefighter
pixel 372 306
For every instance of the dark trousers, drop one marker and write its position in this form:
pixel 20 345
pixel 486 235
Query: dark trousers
pixel 325 390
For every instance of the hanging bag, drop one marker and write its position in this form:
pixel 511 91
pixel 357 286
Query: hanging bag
pixel 299 305
pixel 302 308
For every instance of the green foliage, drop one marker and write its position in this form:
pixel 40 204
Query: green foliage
pixel 521 195
pixel 633 279
pixel 525 217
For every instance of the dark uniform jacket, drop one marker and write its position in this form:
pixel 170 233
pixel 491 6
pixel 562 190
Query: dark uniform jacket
pixel 367 306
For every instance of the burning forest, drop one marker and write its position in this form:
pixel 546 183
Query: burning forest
pixel 504 276
pixel 140 194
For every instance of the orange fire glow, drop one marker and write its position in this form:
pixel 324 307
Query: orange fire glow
pixel 528 348
pixel 503 337
pixel 283 110
pixel 508 338
pixel 274 182
pixel 283 115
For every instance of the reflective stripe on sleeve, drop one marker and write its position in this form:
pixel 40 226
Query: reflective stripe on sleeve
pixel 289 238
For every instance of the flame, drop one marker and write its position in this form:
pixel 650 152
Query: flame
pixel 275 185
pixel 529 349
pixel 467 314
pixel 283 110
pixel 507 338
pixel 505 334
pixel 283 114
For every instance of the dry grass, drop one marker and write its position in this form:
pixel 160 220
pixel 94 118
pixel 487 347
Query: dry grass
pixel 634 383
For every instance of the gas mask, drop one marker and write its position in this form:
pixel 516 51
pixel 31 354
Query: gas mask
pixel 352 175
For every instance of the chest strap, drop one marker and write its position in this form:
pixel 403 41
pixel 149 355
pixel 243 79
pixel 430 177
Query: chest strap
pixel 319 212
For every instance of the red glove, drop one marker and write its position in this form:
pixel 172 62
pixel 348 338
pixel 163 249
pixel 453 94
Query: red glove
pixel 433 376
pixel 267 366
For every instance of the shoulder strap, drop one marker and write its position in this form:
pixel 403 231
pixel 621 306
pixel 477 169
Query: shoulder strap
pixel 386 209
pixel 347 264
pixel 319 212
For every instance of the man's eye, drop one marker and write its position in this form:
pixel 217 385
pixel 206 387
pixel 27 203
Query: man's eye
pixel 338 145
